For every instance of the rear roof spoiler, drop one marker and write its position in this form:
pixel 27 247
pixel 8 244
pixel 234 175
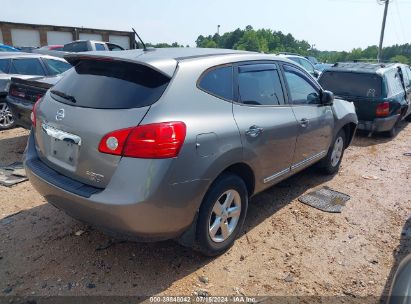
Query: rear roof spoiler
pixel 161 65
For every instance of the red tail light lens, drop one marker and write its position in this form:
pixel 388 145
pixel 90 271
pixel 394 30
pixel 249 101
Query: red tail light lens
pixel 159 140
pixel 33 116
pixel 17 93
pixel 383 109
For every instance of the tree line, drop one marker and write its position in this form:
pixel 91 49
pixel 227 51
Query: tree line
pixel 268 41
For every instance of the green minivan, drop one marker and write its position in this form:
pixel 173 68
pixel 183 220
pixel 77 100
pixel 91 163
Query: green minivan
pixel 381 93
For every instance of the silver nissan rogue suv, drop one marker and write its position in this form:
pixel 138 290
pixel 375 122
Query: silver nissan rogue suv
pixel 171 143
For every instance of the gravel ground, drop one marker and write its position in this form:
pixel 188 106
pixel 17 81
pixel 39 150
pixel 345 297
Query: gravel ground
pixel 287 248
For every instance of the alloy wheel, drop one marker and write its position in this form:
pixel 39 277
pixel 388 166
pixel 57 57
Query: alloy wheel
pixel 224 216
pixel 6 116
pixel 337 151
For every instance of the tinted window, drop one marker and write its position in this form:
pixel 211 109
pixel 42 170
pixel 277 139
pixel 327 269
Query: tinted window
pixel 307 65
pixel 4 65
pixel 110 85
pixel 56 66
pixel 351 84
pixel 114 47
pixel 30 66
pixel 80 46
pixel 260 87
pixel 302 91
pixel 218 82
pixel 100 47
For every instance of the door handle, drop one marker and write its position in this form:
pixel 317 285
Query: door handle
pixel 304 122
pixel 254 131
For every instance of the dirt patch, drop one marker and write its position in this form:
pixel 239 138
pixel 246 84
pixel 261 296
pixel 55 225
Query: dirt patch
pixel 287 248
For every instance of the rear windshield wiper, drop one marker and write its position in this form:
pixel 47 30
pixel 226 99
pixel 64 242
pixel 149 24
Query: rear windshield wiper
pixel 64 95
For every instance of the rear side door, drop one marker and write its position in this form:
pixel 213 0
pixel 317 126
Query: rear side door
pixel 315 121
pixel 266 123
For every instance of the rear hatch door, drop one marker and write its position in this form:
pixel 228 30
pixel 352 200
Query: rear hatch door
pixel 94 98
pixel 363 89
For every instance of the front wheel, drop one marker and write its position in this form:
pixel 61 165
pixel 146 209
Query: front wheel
pixel 221 215
pixel 6 116
pixel 331 163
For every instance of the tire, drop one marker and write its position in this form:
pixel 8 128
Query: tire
pixel 408 118
pixel 331 163
pixel 7 120
pixel 227 188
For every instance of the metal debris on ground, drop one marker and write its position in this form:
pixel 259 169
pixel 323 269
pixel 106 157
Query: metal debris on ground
pixel 12 174
pixel 407 153
pixel 325 199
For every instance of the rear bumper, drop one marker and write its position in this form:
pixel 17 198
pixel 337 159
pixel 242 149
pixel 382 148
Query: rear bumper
pixel 379 124
pixel 21 111
pixel 164 212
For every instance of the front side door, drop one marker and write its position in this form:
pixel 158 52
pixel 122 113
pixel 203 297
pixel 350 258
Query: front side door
pixel 315 121
pixel 266 122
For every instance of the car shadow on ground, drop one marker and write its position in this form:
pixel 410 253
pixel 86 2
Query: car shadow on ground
pixel 65 256
pixel 403 249
pixel 362 138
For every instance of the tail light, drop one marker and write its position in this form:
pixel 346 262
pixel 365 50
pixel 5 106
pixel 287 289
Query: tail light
pixel 383 109
pixel 33 116
pixel 158 140
pixel 16 93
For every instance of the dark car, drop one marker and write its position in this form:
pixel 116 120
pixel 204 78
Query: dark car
pixel 381 92
pixel 23 94
pixel 25 66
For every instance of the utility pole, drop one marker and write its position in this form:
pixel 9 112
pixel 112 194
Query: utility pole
pixel 382 30
pixel 218 29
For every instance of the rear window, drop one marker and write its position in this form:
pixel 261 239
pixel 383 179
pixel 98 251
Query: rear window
pixel 30 66
pixel 80 46
pixel 110 85
pixel 56 66
pixel 352 84
pixel 4 65
pixel 218 82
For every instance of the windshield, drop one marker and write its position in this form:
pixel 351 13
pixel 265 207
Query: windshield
pixel 352 84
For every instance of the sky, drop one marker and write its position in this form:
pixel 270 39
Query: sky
pixel 327 24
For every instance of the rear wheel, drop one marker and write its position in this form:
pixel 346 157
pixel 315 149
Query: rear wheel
pixel 221 215
pixel 6 116
pixel 331 163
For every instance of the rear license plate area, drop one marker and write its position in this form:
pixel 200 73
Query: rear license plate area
pixel 62 148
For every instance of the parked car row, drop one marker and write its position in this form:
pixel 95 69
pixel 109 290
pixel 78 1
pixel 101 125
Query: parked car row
pixel 24 66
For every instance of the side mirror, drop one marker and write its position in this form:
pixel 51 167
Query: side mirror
pixel 327 98
pixel 316 74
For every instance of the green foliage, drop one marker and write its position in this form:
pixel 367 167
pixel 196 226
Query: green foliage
pixel 400 58
pixel 249 39
pixel 268 41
